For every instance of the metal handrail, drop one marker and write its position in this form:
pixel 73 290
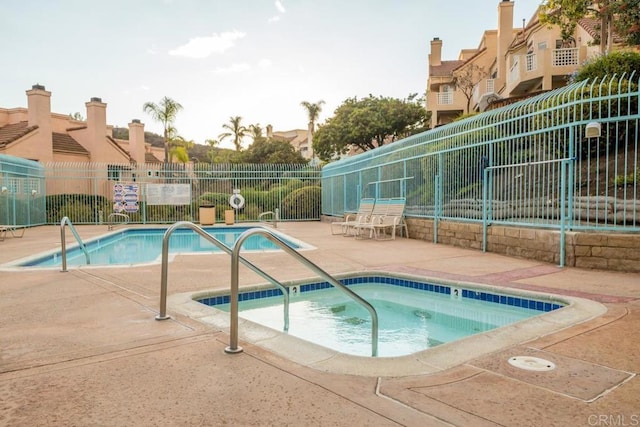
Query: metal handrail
pixel 233 304
pixel 165 268
pixel 63 243
pixel 112 215
pixel 275 216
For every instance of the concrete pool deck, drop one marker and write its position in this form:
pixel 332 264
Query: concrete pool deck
pixel 84 348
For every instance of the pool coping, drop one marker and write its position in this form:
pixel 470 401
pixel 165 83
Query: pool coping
pixel 445 356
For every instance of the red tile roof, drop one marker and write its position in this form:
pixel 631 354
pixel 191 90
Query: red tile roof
pixel 62 142
pixel 445 69
pixel 13 132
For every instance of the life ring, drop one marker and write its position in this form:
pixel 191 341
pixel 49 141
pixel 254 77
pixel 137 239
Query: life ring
pixel 236 201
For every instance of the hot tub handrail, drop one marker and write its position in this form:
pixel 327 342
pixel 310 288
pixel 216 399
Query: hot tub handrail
pixel 233 303
pixel 63 242
pixel 165 268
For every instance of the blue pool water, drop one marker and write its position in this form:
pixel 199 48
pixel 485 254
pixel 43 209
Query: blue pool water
pixel 143 245
pixel 413 316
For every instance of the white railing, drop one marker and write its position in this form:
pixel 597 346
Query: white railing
pixel 490 85
pixel 563 57
pixel 532 63
pixel 445 98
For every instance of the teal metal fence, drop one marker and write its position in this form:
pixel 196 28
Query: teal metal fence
pixel 566 159
pixel 89 193
pixel 22 192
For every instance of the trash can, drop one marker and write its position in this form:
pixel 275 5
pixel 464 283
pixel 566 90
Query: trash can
pixel 229 216
pixel 207 215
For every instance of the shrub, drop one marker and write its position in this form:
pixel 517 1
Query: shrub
pixel 303 203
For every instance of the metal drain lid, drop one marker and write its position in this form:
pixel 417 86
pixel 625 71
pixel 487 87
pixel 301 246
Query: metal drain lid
pixel 532 363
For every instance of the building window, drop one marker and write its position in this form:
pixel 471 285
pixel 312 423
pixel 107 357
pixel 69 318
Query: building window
pixel 542 45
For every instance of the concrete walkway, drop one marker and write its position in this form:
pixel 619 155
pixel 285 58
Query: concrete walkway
pixel 83 347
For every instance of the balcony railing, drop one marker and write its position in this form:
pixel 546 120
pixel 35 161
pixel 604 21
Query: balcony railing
pixel 445 98
pixel 564 57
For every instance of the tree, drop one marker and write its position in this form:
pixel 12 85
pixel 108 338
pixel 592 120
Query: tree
pixel 164 112
pixel 466 78
pixel 271 151
pixel 236 130
pixel 313 112
pixel 615 63
pixel 179 148
pixel 255 132
pixel 621 15
pixel 369 123
pixel 211 152
pixel 76 116
pixel 627 20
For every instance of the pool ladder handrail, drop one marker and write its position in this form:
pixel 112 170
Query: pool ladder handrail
pixel 63 243
pixel 113 215
pixel 165 268
pixel 235 258
pixel 275 217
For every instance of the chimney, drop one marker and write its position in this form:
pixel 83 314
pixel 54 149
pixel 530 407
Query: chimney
pixel 505 37
pixel 435 57
pixel 269 131
pixel 39 114
pixel 97 130
pixel 136 141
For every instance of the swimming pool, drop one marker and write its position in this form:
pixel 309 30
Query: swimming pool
pixel 440 357
pixel 131 246
pixel 413 315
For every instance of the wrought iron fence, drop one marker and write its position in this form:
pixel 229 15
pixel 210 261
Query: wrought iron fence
pixel 88 193
pixel 507 165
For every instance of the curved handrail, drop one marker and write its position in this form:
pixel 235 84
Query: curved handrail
pixel 235 257
pixel 165 268
pixel 63 243
pixel 275 216
pixel 112 215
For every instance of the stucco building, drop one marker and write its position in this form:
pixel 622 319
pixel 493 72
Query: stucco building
pixel 509 62
pixel 37 133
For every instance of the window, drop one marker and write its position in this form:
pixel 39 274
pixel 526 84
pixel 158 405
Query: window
pixel 542 45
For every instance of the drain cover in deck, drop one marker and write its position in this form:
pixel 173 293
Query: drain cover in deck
pixel 532 363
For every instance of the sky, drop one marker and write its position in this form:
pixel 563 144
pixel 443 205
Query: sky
pixel 258 59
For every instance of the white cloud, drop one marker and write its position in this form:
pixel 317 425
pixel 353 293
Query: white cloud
pixel 232 69
pixel 201 47
pixel 280 6
pixel 264 63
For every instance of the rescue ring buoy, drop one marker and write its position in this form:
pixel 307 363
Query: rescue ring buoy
pixel 236 201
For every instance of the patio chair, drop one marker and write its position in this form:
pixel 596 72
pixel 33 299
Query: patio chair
pixel 366 208
pixel 13 229
pixel 390 220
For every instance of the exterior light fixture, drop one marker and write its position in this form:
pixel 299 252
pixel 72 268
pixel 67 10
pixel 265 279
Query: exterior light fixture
pixel 34 192
pixel 593 130
pixel 4 189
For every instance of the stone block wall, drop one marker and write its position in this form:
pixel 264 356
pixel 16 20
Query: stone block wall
pixel 597 250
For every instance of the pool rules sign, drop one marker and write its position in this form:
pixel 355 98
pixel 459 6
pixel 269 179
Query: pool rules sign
pixel 125 198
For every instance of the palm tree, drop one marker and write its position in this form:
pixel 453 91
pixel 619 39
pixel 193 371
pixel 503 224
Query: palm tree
pixel 255 132
pixel 179 148
pixel 211 153
pixel 164 112
pixel 313 110
pixel 236 130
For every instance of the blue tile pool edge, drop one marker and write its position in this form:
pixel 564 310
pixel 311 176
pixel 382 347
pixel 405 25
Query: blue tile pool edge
pixel 487 293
